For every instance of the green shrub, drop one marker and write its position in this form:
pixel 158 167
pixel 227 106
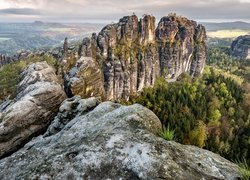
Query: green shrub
pixel 244 169
pixel 198 135
pixel 167 133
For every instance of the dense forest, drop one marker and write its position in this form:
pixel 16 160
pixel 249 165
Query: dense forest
pixel 211 111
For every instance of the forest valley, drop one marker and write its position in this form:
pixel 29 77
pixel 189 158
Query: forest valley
pixel 211 111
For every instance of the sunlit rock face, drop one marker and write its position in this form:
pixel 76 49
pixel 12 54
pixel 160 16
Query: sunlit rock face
pixel 181 46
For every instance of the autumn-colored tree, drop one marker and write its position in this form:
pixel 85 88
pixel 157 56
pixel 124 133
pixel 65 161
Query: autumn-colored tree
pixel 198 135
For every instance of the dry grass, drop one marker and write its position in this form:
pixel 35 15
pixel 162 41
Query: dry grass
pixel 227 33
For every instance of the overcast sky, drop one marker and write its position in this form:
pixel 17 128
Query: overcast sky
pixel 111 10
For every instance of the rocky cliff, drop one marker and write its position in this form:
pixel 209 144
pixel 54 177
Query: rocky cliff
pixel 37 102
pixel 240 47
pixel 93 140
pixel 132 53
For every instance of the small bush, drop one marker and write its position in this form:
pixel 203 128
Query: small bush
pixel 167 133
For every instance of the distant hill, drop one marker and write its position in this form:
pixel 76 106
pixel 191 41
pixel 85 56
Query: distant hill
pixel 226 26
pixel 18 36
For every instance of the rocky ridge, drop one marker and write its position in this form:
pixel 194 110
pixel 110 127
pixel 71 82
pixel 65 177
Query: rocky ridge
pixel 37 102
pixel 93 140
pixel 90 139
pixel 240 47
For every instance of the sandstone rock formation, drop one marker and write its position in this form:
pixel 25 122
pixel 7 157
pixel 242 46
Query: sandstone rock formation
pixel 129 55
pixel 20 55
pixel 4 60
pixel 182 46
pixel 240 47
pixel 85 79
pixel 110 141
pixel 39 97
pixel 132 53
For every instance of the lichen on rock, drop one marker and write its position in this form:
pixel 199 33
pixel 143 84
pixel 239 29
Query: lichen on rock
pixel 110 141
pixel 37 102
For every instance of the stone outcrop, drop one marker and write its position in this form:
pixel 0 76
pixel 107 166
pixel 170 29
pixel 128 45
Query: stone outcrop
pixel 37 102
pixel 132 53
pixel 93 140
pixel 182 46
pixel 20 55
pixel 240 47
pixel 85 79
pixel 4 60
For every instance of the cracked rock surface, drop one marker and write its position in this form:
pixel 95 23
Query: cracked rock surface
pixel 110 141
pixel 39 97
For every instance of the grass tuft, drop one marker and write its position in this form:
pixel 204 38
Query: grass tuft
pixel 244 169
pixel 167 133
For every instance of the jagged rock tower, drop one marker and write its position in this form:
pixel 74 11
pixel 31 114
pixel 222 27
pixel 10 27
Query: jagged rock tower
pixel 129 55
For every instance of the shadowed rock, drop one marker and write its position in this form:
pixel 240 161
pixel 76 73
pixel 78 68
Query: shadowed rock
pixel 240 47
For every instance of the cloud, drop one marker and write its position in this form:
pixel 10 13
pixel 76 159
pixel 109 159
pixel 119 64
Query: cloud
pixel 19 11
pixel 112 10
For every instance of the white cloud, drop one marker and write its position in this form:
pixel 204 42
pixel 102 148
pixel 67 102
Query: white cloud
pixel 84 10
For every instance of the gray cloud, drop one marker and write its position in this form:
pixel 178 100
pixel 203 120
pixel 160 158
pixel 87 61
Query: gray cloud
pixel 112 10
pixel 19 11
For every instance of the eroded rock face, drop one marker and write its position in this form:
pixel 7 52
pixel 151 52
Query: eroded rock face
pixel 39 97
pixel 240 47
pixel 85 79
pixel 182 46
pixel 96 140
pixel 131 60
pixel 133 53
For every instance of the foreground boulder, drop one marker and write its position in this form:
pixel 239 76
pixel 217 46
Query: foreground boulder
pixel 93 140
pixel 38 99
